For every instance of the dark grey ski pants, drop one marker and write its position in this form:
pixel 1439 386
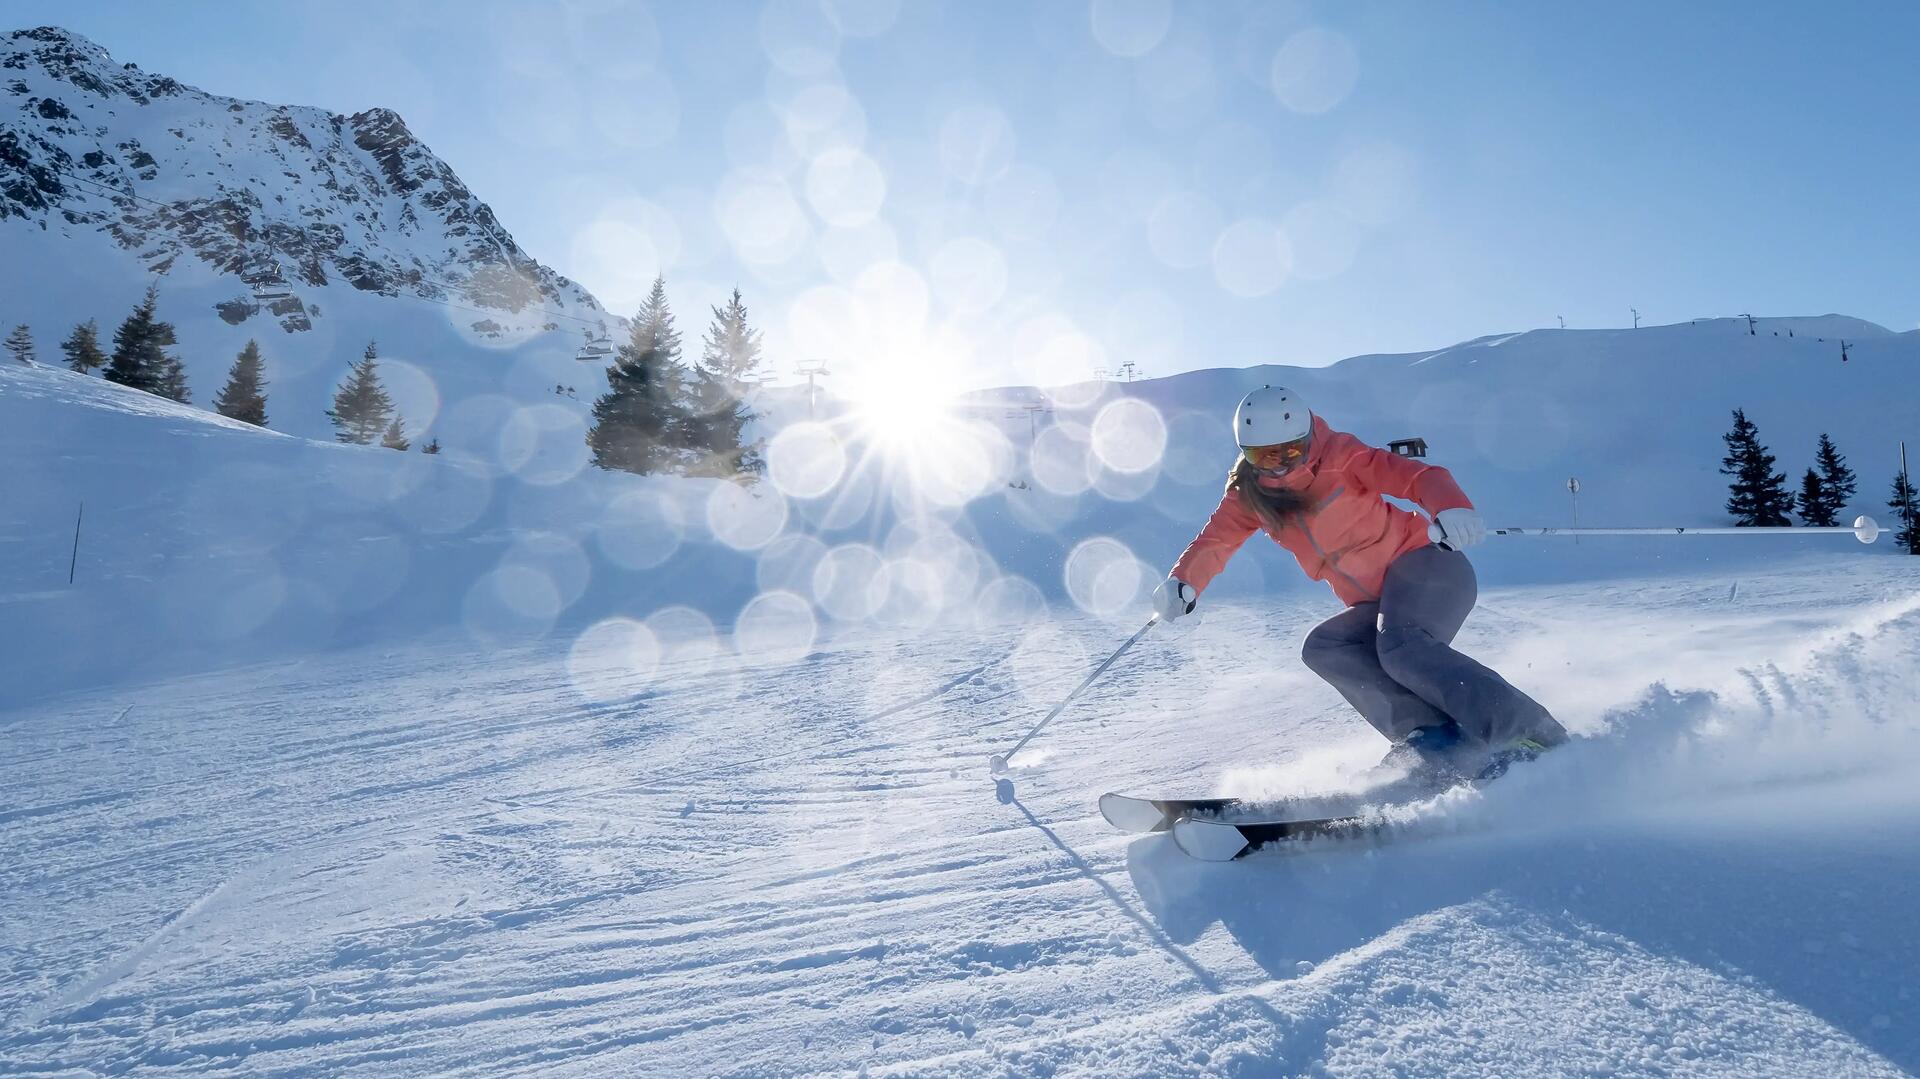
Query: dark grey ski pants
pixel 1394 661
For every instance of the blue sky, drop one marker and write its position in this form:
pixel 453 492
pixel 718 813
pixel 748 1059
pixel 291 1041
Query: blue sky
pixel 1017 191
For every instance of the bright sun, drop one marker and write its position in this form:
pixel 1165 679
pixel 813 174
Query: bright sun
pixel 896 410
pixel 917 435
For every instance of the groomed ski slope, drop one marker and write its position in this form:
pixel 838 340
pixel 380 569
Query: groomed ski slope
pixel 339 761
pixel 412 860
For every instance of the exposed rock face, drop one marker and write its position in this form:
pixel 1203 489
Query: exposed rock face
pixel 278 196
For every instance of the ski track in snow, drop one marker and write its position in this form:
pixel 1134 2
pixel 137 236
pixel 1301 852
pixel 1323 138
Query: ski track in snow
pixel 439 860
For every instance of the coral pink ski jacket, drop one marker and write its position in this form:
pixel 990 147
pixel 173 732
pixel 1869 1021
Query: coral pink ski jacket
pixel 1349 534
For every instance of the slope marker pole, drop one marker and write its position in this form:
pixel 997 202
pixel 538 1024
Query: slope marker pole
pixel 74 562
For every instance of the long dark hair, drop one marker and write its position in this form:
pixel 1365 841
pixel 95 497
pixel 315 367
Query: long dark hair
pixel 1276 508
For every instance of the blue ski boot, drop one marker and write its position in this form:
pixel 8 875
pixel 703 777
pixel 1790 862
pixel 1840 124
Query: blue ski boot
pixel 1428 753
pixel 1520 749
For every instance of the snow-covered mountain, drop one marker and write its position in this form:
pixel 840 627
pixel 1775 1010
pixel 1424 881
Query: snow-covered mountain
pixel 280 197
pixel 310 231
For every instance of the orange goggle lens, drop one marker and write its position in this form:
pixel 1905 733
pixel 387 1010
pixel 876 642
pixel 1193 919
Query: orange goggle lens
pixel 1282 455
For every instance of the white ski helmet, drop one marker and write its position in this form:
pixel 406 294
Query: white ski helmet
pixel 1269 416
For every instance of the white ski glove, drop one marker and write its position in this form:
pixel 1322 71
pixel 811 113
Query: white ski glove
pixel 1173 598
pixel 1457 529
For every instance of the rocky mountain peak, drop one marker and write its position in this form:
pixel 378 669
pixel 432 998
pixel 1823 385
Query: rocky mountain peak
pixel 282 198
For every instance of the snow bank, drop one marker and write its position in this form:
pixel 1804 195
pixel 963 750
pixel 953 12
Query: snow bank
pixel 1813 732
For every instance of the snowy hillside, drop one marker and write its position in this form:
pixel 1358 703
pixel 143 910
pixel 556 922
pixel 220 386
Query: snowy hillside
pixel 234 543
pixel 309 231
pixel 335 760
pixel 1635 415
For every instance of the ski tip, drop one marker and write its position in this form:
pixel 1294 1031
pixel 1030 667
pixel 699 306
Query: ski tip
pixel 1208 840
pixel 1131 814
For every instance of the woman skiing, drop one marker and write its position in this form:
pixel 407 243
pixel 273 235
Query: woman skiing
pixel 1317 492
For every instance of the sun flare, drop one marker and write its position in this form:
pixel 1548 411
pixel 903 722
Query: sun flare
pixel 896 410
pixel 914 432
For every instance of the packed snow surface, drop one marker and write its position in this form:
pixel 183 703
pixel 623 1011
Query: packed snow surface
pixel 458 860
pixel 338 761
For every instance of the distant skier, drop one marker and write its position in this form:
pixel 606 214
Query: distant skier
pixel 1317 492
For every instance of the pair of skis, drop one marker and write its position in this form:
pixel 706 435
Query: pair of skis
pixel 1213 829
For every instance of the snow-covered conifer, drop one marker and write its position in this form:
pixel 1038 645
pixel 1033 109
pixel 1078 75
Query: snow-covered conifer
pixel 722 386
pixel 20 343
pixel 1905 505
pixel 640 424
pixel 140 357
pixel 361 408
pixel 244 396
pixel 1759 494
pixel 82 348
pixel 173 380
pixel 1813 500
pixel 1836 486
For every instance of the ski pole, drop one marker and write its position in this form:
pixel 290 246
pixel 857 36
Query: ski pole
pixel 998 762
pixel 1864 529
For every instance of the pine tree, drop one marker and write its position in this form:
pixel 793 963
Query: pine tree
pixel 173 381
pixel 1759 494
pixel 132 363
pixel 630 420
pixel 1836 485
pixel 361 408
pixel 1813 501
pixel 140 357
pixel 640 424
pixel 1905 505
pixel 396 436
pixel 722 385
pixel 20 343
pixel 244 397
pixel 82 348
pixel 431 447
pixel 682 432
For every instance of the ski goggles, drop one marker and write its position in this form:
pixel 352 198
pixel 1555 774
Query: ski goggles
pixel 1279 457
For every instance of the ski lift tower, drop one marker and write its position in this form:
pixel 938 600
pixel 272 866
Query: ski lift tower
pixel 1032 410
pixel 812 369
